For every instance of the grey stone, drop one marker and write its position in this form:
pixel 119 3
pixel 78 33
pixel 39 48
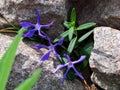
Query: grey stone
pixel 103 12
pixel 23 10
pixel 27 61
pixel 105 58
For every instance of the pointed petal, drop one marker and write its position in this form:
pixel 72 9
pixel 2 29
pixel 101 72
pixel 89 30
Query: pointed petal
pixel 27 24
pixel 64 77
pixel 78 73
pixel 56 54
pixel 30 33
pixel 67 57
pixel 60 42
pixel 39 46
pixel 49 40
pixel 80 60
pixel 38 16
pixel 40 33
pixel 45 56
pixel 59 67
pixel 47 25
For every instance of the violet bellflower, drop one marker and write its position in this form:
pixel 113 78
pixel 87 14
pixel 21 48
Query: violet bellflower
pixel 35 27
pixel 70 65
pixel 51 48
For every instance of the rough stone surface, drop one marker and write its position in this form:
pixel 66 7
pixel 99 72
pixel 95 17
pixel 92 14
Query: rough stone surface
pixel 103 12
pixel 26 62
pixel 105 58
pixel 23 10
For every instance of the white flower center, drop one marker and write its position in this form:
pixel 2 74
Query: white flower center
pixel 37 26
pixel 51 47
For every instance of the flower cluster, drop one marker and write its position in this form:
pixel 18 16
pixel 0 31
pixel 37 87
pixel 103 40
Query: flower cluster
pixel 32 28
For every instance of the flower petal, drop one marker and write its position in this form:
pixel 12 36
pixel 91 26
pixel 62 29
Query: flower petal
pixel 27 24
pixel 80 60
pixel 59 67
pixel 77 73
pixel 60 42
pixel 64 77
pixel 47 25
pixel 45 56
pixel 38 16
pixel 40 33
pixel 67 57
pixel 49 40
pixel 56 54
pixel 39 46
pixel 30 33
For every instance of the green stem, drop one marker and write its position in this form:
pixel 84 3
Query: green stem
pixel 64 47
pixel 10 23
pixel 75 31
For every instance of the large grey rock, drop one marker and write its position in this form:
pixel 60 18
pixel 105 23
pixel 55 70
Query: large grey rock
pixel 27 61
pixel 23 10
pixel 103 12
pixel 105 58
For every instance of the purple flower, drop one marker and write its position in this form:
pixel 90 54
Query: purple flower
pixel 70 65
pixel 35 27
pixel 51 48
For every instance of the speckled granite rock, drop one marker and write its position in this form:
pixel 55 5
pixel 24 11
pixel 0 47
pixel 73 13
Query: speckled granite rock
pixel 105 58
pixel 23 10
pixel 26 62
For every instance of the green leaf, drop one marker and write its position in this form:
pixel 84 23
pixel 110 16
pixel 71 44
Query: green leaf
pixel 85 26
pixel 64 34
pixel 72 20
pixel 71 45
pixel 86 50
pixel 71 32
pixel 73 15
pixel 7 60
pixel 10 28
pixel 85 36
pixel 27 84
pixel 71 75
pixel 67 24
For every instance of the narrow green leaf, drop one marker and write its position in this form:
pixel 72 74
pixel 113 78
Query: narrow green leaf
pixel 84 36
pixel 86 50
pixel 63 60
pixel 67 24
pixel 10 28
pixel 71 74
pixel 73 15
pixel 85 26
pixel 64 34
pixel 28 84
pixel 71 32
pixel 71 45
pixel 7 60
